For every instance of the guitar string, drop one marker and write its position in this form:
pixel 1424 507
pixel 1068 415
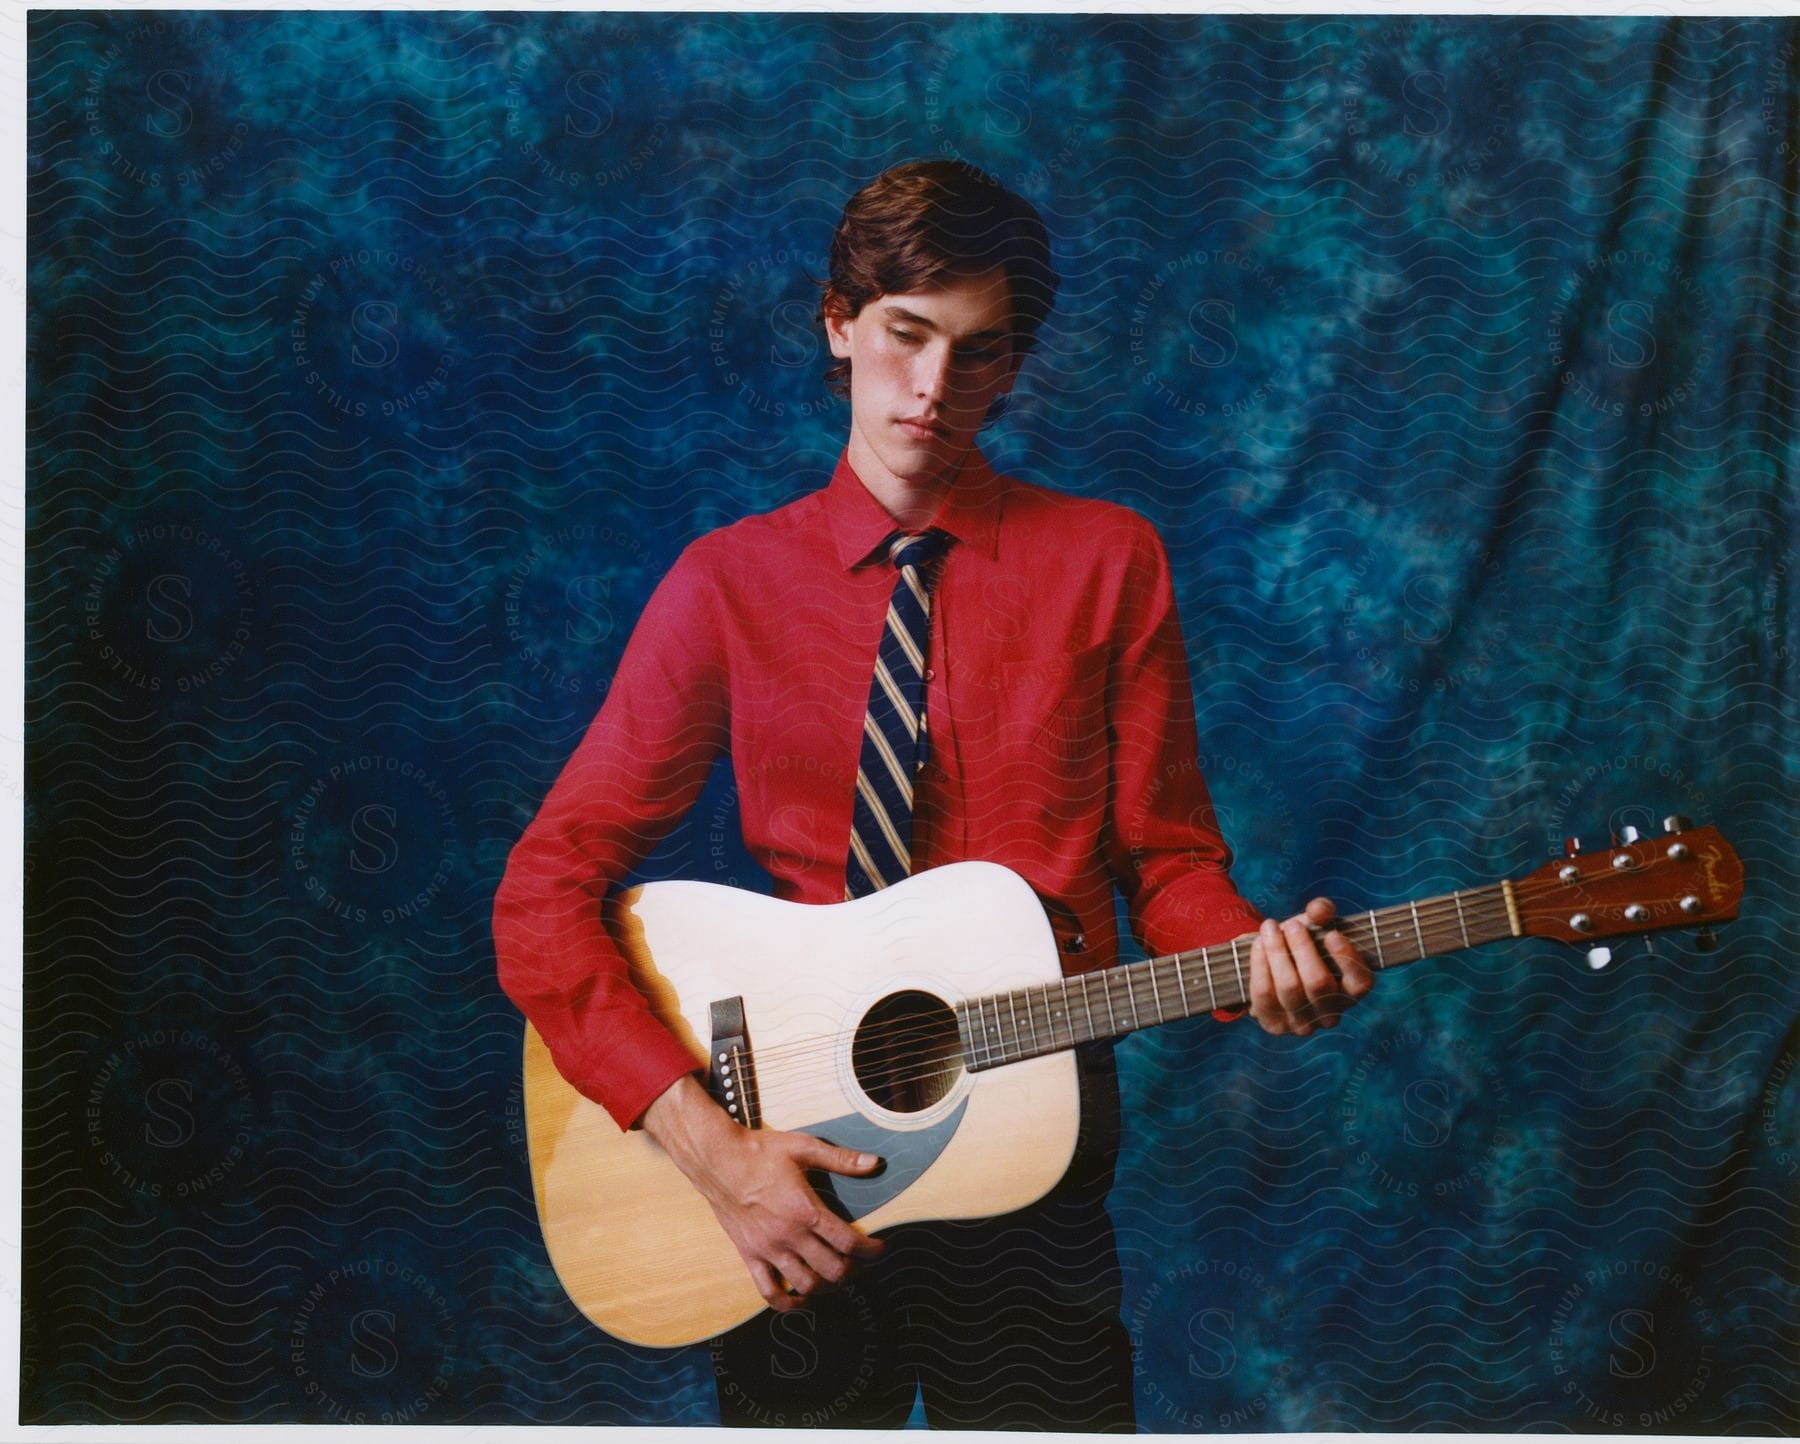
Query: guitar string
pixel 1136 974
pixel 1477 910
pixel 1035 1037
pixel 1479 907
pixel 926 1072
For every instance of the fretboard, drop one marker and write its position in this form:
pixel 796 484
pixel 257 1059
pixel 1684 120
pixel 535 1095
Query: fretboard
pixel 1028 1022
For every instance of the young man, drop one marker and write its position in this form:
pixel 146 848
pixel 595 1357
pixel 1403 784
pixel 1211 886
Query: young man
pixel 1012 688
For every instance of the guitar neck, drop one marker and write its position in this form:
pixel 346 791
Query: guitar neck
pixel 1027 1022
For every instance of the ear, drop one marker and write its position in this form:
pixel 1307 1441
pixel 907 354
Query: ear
pixel 839 324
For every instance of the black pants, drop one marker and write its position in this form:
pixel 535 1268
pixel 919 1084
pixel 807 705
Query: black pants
pixel 1003 1323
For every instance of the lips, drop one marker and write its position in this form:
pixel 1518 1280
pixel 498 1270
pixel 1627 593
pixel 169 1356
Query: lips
pixel 919 430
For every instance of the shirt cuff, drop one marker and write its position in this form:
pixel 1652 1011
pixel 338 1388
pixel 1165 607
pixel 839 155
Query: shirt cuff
pixel 657 1064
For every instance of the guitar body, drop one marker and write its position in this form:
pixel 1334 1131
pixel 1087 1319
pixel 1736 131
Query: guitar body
pixel 831 996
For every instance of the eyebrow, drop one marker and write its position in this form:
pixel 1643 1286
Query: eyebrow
pixel 998 333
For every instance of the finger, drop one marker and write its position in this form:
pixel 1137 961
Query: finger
pixel 811 1152
pixel 830 1266
pixel 1285 979
pixel 1353 972
pixel 797 1275
pixel 841 1238
pixel 769 1285
pixel 1324 991
pixel 1315 974
pixel 838 1236
pixel 1264 1006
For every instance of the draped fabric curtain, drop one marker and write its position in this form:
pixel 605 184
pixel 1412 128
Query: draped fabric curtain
pixel 379 364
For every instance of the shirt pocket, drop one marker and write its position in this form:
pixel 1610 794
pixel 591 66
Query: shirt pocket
pixel 1053 708
pixel 1035 762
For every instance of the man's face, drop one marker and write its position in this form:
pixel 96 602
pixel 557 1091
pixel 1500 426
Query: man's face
pixel 924 368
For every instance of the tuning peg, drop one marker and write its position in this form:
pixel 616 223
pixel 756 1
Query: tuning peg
pixel 1705 940
pixel 1629 834
pixel 1571 847
pixel 1675 822
pixel 1598 958
pixel 1649 947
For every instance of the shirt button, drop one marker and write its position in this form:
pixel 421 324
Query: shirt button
pixel 930 674
pixel 1076 944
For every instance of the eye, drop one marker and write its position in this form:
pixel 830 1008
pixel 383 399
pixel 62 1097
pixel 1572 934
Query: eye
pixel 900 335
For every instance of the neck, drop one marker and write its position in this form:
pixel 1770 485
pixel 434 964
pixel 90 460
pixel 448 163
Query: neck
pixel 1030 1021
pixel 913 502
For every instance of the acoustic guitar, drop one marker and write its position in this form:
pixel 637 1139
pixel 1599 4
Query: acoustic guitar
pixel 930 1023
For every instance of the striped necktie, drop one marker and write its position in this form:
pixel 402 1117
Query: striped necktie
pixel 893 744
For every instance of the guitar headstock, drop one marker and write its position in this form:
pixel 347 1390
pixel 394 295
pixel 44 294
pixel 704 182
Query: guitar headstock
pixel 1688 878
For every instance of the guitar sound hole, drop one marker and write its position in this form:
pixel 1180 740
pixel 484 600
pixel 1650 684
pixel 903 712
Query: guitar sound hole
pixel 906 1054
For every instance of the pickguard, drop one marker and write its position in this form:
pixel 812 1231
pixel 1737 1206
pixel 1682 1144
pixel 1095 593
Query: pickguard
pixel 907 1153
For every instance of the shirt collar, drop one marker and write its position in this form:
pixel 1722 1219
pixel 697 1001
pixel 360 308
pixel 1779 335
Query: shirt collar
pixel 971 512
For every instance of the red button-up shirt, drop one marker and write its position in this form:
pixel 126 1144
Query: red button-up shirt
pixel 1062 744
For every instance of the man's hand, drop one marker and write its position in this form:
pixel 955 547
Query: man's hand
pixel 1292 988
pixel 755 1180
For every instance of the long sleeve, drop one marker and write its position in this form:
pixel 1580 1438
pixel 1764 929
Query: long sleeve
pixel 1163 842
pixel 638 769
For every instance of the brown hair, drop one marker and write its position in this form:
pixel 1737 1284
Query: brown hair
pixel 917 223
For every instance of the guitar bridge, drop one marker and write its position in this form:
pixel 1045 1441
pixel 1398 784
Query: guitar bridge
pixel 731 1071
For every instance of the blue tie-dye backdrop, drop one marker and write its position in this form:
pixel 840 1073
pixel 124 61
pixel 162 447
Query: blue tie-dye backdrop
pixel 380 363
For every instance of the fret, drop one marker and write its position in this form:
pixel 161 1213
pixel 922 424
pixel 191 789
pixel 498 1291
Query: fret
pixel 992 1031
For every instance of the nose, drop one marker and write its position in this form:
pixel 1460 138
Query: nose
pixel 931 372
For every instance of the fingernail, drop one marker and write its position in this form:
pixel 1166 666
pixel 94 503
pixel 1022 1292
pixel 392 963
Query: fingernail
pixel 866 1160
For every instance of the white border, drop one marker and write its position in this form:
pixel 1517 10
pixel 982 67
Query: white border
pixel 12 609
